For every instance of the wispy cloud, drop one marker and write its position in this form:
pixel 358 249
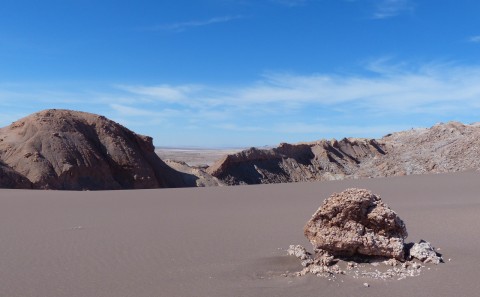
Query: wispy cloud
pixel 284 102
pixel 475 39
pixel 291 3
pixel 385 86
pixel 389 87
pixel 390 8
pixel 385 97
pixel 183 26
pixel 328 129
pixel 240 128
pixel 163 92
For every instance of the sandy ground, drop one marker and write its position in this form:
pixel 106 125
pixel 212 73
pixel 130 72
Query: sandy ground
pixel 221 241
pixel 195 156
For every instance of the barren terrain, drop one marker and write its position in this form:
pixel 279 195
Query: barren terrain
pixel 222 241
pixel 202 157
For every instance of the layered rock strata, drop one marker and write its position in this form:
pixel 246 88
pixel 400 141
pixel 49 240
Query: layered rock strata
pixel 445 147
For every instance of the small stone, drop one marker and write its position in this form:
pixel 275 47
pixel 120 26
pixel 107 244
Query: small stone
pixel 425 252
pixel 307 262
pixel 299 252
pixel 324 258
pixel 391 262
pixel 366 285
pixel 351 265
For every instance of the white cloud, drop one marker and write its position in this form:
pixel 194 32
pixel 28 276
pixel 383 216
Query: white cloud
pixel 390 8
pixel 131 111
pixel 392 91
pixel 384 87
pixel 291 3
pixel 329 129
pixel 385 97
pixel 475 39
pixel 183 26
pixel 401 90
pixel 238 128
pixel 162 92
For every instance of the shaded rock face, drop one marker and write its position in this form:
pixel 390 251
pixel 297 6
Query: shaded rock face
pixel 194 176
pixel 323 160
pixel 248 167
pixel 442 148
pixel 12 180
pixel 63 149
pixel 356 222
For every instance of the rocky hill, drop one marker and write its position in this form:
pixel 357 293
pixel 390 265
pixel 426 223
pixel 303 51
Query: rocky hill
pixel 442 148
pixel 70 150
pixel 446 147
pixel 322 160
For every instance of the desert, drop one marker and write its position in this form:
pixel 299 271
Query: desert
pixel 170 228
pixel 239 148
pixel 222 241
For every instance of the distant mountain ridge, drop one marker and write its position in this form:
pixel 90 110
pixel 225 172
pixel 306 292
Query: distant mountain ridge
pixel 445 147
pixel 72 150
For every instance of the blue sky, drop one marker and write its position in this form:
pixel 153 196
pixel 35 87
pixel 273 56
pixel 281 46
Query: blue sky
pixel 244 72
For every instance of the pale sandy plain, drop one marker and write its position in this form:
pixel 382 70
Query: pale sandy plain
pixel 221 241
pixel 195 156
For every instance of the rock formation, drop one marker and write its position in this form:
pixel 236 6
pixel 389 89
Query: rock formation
pixel 11 179
pixel 194 176
pixel 425 252
pixel 357 227
pixel 322 160
pixel 70 150
pixel 357 222
pixel 446 147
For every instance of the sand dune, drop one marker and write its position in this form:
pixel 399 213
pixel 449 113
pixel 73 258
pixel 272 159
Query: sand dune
pixel 221 241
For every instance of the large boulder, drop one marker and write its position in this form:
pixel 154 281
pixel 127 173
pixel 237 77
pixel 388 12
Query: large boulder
pixel 71 150
pixel 356 222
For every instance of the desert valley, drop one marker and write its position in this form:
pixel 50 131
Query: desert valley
pixel 234 226
pixel 70 150
pixel 239 148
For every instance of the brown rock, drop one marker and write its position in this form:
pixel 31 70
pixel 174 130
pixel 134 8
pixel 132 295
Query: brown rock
pixel 445 147
pixel 12 180
pixel 63 149
pixel 194 176
pixel 356 222
pixel 321 160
